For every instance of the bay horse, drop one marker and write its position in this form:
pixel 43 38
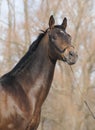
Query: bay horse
pixel 24 89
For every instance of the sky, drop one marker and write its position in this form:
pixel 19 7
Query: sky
pixel 18 10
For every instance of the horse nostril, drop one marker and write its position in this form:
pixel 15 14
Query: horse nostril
pixel 71 53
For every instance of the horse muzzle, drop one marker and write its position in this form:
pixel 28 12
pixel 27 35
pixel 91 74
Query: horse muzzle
pixel 70 57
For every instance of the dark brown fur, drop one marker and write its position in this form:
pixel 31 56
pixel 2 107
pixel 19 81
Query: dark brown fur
pixel 24 89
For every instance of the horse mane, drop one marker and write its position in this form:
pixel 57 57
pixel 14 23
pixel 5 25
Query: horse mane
pixel 26 58
pixel 35 44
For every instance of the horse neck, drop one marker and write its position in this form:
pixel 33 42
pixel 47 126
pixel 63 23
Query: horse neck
pixel 40 69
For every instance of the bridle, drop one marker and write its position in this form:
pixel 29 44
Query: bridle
pixel 58 49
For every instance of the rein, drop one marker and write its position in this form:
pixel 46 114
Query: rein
pixel 84 100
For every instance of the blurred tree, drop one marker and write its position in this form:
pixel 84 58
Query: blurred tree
pixel 24 20
pixel 26 25
pixel 9 36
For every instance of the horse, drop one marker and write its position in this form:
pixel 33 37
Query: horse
pixel 24 88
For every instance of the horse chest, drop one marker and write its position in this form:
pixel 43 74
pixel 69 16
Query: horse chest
pixel 36 91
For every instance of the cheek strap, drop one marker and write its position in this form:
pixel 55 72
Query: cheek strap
pixel 58 49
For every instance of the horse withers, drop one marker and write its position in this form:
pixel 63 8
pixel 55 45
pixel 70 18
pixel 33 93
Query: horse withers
pixel 24 89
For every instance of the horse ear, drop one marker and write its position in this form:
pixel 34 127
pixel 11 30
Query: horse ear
pixel 51 21
pixel 64 23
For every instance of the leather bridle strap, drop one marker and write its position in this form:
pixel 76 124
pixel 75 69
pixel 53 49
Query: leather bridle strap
pixel 59 50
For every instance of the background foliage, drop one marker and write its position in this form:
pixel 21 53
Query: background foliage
pixel 21 22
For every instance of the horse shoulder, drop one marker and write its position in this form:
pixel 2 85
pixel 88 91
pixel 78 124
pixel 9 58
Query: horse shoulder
pixel 13 99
